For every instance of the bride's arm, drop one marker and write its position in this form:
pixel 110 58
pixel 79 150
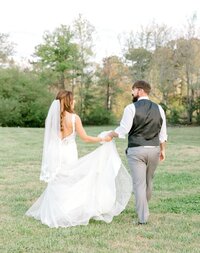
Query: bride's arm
pixel 83 135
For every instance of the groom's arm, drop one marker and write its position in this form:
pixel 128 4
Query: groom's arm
pixel 162 134
pixel 125 123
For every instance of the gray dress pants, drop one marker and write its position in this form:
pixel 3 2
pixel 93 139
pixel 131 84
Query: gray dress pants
pixel 143 162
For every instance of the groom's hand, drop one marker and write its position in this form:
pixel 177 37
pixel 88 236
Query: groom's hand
pixel 162 155
pixel 162 151
pixel 113 134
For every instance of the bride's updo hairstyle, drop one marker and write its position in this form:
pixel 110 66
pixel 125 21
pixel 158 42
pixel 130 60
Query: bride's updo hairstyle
pixel 66 100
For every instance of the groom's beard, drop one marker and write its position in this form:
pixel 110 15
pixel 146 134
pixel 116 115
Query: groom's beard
pixel 135 99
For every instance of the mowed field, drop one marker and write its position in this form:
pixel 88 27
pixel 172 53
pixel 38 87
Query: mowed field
pixel 174 224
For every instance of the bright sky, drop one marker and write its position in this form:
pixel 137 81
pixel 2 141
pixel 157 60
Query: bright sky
pixel 26 20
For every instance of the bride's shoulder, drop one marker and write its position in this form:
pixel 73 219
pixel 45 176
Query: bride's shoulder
pixel 78 120
pixel 76 116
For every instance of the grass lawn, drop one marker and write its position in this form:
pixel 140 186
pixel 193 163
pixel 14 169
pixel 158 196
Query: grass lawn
pixel 174 224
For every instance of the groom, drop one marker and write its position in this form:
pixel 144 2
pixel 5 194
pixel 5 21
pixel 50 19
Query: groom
pixel 145 124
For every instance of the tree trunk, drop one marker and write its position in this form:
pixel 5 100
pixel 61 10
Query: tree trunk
pixel 108 97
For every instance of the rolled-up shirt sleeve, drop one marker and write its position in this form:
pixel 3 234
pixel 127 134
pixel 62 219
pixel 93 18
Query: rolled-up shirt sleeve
pixel 126 121
pixel 163 130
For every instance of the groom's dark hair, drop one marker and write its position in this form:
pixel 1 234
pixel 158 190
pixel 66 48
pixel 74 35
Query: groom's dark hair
pixel 143 85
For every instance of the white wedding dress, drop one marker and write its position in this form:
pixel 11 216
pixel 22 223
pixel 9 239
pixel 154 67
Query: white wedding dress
pixel 96 186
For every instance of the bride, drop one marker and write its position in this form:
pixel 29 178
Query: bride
pixel 96 186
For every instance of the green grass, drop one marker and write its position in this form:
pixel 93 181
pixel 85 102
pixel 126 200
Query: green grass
pixel 174 224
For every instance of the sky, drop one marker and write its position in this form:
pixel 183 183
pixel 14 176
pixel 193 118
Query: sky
pixel 27 20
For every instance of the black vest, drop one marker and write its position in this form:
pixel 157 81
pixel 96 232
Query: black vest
pixel 146 124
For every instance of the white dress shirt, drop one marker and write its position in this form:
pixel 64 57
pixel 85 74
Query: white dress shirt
pixel 127 122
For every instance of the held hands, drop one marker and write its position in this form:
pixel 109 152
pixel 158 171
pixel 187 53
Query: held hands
pixel 107 138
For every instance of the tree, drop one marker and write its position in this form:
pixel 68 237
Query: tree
pixel 83 35
pixel 163 74
pixel 110 77
pixel 6 48
pixel 188 52
pixel 140 59
pixel 140 46
pixel 24 99
pixel 188 64
pixel 59 53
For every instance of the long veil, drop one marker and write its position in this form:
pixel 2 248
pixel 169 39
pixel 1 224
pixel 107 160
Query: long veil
pixel 51 159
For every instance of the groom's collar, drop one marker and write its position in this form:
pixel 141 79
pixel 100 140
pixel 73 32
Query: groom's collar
pixel 145 97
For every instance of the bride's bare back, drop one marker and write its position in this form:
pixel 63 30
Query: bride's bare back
pixel 67 125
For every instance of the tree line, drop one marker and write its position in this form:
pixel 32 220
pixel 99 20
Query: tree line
pixel 168 59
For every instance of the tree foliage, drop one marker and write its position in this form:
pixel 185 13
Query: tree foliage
pixel 24 100
pixel 168 60
pixel 83 34
pixel 6 48
pixel 171 64
pixel 58 53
